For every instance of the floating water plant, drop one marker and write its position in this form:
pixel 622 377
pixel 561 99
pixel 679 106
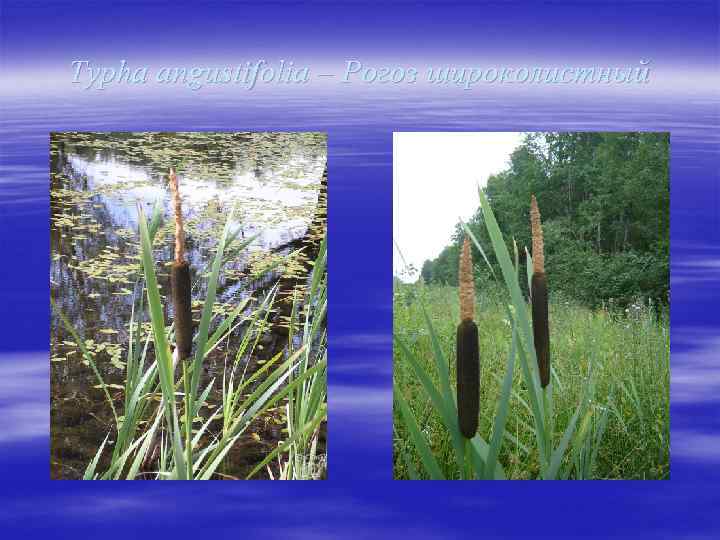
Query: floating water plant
pixel 539 297
pixel 468 355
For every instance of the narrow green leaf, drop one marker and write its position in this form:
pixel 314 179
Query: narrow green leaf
pixel 431 466
pixel 503 406
pixel 202 334
pixel 446 408
pixel 479 247
pixel 309 427
pixel 559 452
pixel 482 448
pixel 90 470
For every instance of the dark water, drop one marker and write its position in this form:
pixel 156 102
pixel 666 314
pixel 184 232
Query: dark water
pixel 97 183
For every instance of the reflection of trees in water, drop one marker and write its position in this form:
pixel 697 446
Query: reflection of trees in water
pixel 73 288
pixel 213 155
pixel 310 245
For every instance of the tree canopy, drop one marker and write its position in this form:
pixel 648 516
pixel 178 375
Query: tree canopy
pixel 605 204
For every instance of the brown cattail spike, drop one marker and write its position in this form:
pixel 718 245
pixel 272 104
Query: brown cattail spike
pixel 467 349
pixel 182 307
pixel 180 280
pixel 541 329
pixel 539 297
pixel 538 249
pixel 179 231
pixel 467 285
pixel 468 377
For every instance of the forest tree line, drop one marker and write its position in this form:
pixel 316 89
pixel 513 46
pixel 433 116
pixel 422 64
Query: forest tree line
pixel 605 205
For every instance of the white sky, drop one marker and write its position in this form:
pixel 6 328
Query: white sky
pixel 435 179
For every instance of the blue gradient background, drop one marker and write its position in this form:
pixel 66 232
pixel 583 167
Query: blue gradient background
pixel 40 39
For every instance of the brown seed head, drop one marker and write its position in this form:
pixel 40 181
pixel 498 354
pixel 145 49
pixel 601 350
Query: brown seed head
pixel 179 231
pixel 182 305
pixel 467 286
pixel 538 254
pixel 468 377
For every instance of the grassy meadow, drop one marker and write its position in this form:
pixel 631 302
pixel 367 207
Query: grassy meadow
pixel 626 350
pixel 546 316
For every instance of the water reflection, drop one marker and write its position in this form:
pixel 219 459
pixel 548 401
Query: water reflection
pixel 98 180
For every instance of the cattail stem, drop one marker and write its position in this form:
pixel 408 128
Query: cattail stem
pixel 539 297
pixel 180 280
pixel 467 350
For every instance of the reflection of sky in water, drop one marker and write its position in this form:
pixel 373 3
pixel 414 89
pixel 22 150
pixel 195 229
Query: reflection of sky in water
pixel 262 205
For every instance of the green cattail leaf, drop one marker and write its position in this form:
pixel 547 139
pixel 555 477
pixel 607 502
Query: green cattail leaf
pixel 306 429
pixel 140 457
pixel 537 414
pixel 162 347
pixel 510 276
pixel 503 406
pixel 204 326
pixel 225 327
pixel 156 220
pixel 528 360
pixel 529 270
pixel 443 367
pixel 431 466
pixel 90 471
pixel 479 247
pixel 481 449
pixel 441 362
pixel 559 452
pixel 446 408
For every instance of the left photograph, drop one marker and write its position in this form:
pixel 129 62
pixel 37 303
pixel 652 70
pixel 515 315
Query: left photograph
pixel 188 301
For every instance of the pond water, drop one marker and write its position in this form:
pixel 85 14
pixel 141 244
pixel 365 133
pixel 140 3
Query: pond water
pixel 97 183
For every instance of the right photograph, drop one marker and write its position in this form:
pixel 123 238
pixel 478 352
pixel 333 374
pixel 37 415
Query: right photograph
pixel 531 306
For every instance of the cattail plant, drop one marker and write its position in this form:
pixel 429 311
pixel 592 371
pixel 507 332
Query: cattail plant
pixel 470 461
pixel 180 280
pixel 468 355
pixel 539 297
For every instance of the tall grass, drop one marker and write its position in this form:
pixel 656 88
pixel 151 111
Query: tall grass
pixel 603 415
pixel 306 405
pixel 167 419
